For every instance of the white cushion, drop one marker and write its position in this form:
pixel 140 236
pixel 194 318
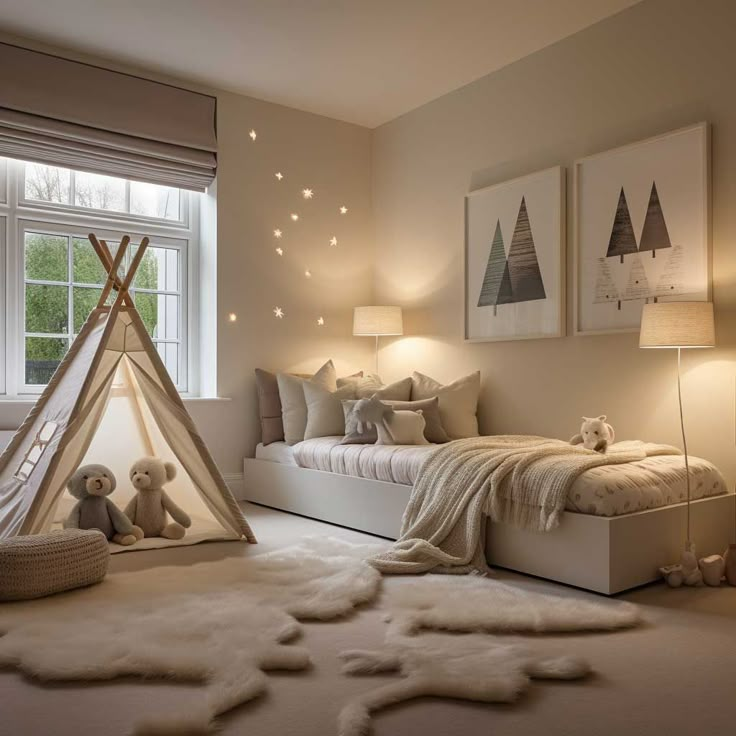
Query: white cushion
pixel 325 416
pixel 458 402
pixel 293 403
pixel 405 428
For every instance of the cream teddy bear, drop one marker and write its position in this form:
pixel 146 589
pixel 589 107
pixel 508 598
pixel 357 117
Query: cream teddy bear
pixel 148 508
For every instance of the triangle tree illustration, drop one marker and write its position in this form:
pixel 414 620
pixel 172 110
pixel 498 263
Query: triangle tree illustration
pixel 655 235
pixel 496 288
pixel 526 278
pixel 622 241
pixel 605 287
pixel 670 282
pixel 637 286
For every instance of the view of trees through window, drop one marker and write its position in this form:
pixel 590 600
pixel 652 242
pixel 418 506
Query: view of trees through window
pixel 63 283
pixel 95 191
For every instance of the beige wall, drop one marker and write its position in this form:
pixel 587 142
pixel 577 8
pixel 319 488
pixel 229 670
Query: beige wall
pixel 333 159
pixel 658 66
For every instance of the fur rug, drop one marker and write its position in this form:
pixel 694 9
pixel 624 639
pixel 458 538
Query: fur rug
pixel 234 624
pixel 226 624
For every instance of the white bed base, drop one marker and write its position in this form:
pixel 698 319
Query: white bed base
pixel 603 554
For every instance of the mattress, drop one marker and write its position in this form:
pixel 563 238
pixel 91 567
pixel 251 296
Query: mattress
pixel 606 491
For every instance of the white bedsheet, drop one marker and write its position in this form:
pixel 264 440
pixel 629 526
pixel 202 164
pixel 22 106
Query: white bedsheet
pixel 605 491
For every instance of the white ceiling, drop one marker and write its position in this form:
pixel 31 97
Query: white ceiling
pixel 364 61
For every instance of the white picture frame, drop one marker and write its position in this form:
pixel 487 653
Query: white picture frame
pixel 514 274
pixel 629 204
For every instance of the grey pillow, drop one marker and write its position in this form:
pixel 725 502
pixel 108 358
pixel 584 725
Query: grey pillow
pixel 325 416
pixel 397 391
pixel 433 431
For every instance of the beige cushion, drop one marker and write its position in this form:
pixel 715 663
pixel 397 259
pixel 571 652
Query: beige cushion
pixel 269 403
pixel 458 402
pixel 293 404
pixel 41 564
pixel 372 386
pixel 325 416
pixel 433 431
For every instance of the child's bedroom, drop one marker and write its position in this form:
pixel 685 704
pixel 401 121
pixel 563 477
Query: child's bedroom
pixel 367 367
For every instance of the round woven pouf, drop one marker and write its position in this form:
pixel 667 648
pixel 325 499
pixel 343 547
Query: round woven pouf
pixel 41 564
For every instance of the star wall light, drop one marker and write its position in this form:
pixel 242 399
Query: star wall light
pixel 280 251
pixel 277 233
pixel 307 193
pixel 308 274
pixel 343 210
pixel 320 321
pixel 279 175
pixel 278 313
pixel 333 241
pixel 294 216
pixel 253 135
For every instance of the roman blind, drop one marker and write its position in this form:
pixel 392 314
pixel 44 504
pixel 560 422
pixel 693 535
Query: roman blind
pixel 66 113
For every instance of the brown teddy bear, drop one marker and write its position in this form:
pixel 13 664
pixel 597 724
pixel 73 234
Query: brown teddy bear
pixel 148 508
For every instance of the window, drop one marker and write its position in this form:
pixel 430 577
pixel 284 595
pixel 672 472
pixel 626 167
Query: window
pixel 55 278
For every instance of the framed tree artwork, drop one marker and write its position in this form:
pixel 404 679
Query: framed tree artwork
pixel 641 229
pixel 515 259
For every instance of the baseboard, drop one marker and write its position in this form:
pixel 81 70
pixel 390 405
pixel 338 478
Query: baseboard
pixel 236 485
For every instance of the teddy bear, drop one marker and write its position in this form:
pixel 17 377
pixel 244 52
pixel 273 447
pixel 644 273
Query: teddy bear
pixel 148 508
pixel 595 434
pixel 91 485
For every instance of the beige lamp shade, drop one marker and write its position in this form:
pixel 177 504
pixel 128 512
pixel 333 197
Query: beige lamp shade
pixel 677 325
pixel 377 321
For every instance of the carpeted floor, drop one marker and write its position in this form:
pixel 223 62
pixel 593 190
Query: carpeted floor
pixel 676 676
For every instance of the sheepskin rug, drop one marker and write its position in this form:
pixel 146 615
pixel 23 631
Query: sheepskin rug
pixel 226 624
pixel 234 623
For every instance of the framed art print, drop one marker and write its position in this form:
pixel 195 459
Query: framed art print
pixel 641 229
pixel 515 259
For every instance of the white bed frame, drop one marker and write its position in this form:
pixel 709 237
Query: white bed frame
pixel 603 554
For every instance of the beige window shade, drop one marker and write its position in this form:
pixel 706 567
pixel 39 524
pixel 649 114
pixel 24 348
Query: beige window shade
pixel 65 113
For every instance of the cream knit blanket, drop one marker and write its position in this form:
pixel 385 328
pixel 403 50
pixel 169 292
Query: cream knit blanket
pixel 515 479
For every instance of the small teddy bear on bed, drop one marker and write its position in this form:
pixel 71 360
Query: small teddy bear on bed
pixel 91 485
pixel 148 508
pixel 595 434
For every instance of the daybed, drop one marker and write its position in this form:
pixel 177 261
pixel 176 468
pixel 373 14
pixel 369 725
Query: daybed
pixel 620 525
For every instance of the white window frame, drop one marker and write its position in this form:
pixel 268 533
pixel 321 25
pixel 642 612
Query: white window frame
pixel 19 215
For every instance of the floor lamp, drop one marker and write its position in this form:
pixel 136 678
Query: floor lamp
pixel 678 325
pixel 377 322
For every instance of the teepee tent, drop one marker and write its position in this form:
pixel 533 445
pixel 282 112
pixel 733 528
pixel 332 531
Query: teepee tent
pixel 112 401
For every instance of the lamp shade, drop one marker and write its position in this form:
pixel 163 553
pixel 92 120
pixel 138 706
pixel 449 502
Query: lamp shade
pixel 377 321
pixel 677 325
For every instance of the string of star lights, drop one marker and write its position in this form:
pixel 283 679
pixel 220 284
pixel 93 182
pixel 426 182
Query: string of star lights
pixel 307 194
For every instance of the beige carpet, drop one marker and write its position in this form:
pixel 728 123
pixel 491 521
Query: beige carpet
pixel 677 676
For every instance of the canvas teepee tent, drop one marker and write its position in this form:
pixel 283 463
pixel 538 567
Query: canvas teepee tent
pixel 111 401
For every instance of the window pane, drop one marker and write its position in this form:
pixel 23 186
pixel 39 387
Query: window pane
pixel 88 268
pixel 158 270
pixel 47 183
pixel 148 308
pixel 99 192
pixel 84 301
pixel 47 309
pixel 169 353
pixel 152 200
pixel 46 257
pixel 43 355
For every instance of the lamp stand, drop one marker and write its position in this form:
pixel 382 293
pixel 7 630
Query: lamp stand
pixel 684 446
pixel 376 357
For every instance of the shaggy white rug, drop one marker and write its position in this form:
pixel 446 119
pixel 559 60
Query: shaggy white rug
pixel 226 623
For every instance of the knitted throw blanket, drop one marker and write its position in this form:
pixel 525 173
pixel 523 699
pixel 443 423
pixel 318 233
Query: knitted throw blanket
pixel 515 479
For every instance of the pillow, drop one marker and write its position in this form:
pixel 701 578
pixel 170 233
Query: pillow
pixel 407 428
pixel 269 406
pixel 325 416
pixel 293 403
pixel 433 431
pixel 458 402
pixel 372 386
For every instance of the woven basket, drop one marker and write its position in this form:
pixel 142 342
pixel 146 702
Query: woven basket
pixel 41 564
